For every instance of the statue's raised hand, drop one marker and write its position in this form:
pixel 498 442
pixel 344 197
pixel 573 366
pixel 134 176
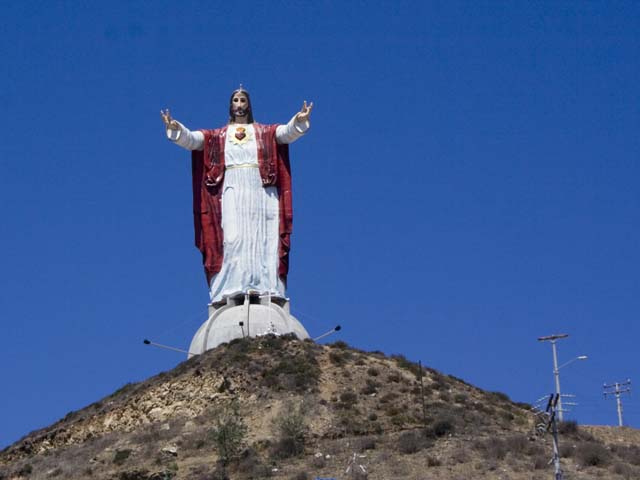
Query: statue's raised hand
pixel 304 113
pixel 169 122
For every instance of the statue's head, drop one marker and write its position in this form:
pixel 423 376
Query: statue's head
pixel 240 106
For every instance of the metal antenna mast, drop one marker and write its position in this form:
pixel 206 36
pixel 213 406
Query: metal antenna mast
pixel 546 421
pixel 618 389
pixel 556 371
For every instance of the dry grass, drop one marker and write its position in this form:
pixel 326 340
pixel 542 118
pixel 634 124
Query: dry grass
pixel 307 409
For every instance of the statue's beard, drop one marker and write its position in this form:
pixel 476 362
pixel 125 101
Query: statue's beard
pixel 240 112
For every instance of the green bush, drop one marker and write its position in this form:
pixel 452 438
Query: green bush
pixel 121 456
pixel 290 429
pixel 297 373
pixel 460 398
pixel 229 433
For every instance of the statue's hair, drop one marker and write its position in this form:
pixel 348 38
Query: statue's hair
pixel 250 112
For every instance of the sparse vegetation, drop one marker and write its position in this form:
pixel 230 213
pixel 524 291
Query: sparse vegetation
pixel 229 433
pixel 370 387
pixel 443 426
pixel 292 373
pixel 354 402
pixel 290 429
pixel 121 456
pixel 570 427
pixel 412 442
pixel 301 476
pixel 591 454
pixel 502 397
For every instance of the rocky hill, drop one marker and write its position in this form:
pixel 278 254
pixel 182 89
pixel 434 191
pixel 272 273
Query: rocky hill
pixel 276 407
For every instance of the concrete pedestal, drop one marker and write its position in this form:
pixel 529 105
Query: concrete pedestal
pixel 245 316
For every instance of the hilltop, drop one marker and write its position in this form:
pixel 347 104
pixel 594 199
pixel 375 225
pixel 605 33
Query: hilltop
pixel 277 407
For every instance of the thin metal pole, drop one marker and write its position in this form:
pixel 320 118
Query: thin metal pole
pixel 617 390
pixel 556 373
pixel 326 334
pixel 247 300
pixel 556 369
pixel 556 449
pixel 424 405
pixel 619 402
pixel 166 347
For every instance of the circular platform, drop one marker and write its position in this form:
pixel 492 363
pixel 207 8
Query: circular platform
pixel 245 317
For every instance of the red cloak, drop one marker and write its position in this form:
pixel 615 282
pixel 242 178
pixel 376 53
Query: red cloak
pixel 207 168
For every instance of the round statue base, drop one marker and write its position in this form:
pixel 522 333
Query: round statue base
pixel 245 316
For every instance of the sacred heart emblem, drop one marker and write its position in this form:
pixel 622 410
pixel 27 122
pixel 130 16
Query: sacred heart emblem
pixel 240 133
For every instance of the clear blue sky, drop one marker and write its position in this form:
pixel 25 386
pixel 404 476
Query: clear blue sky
pixel 470 183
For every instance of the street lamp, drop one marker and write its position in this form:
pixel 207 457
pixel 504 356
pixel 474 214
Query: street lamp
pixel 581 357
pixel 556 369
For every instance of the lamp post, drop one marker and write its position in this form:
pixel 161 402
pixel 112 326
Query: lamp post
pixel 556 369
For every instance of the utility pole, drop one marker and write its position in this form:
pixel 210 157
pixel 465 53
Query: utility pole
pixel 424 404
pixel 546 421
pixel 556 371
pixel 618 389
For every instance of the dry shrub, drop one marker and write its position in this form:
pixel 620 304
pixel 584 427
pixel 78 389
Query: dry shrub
pixel 251 466
pixel 570 427
pixel 628 453
pixel 492 449
pixel 338 358
pixel 367 443
pixel 443 426
pixel 591 454
pixel 318 462
pixel 624 470
pixel 348 399
pixel 394 378
pixel 460 455
pixel 370 387
pixel 301 476
pixel 412 442
pixel 540 461
pixel 134 475
pixel 500 396
pixel 566 450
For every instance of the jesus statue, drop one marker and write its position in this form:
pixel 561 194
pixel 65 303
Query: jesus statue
pixel 242 201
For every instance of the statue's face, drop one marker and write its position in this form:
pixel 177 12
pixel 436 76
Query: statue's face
pixel 240 105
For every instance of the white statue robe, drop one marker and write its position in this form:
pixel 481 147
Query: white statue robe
pixel 250 213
